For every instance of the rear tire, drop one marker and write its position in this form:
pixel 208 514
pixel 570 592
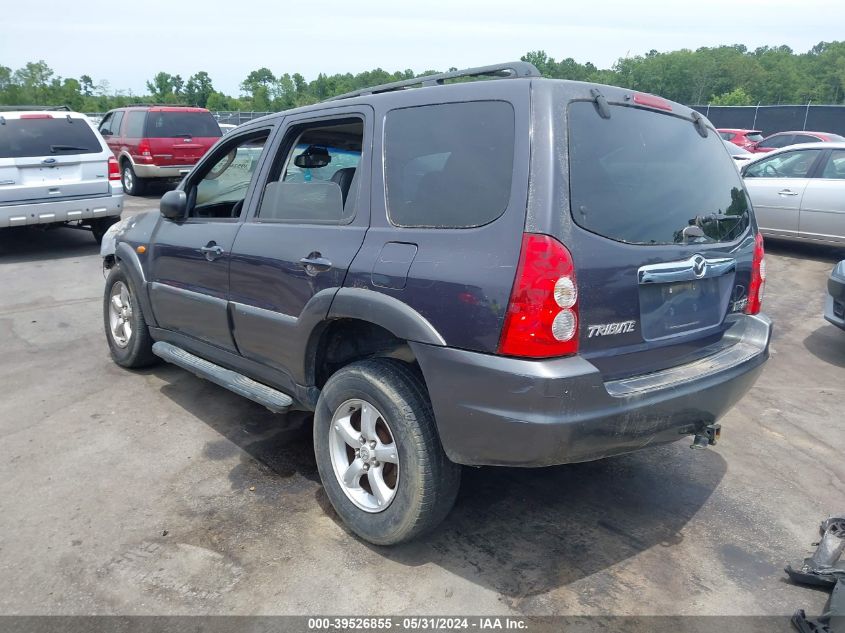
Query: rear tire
pixel 127 333
pixel 389 502
pixel 99 227
pixel 132 185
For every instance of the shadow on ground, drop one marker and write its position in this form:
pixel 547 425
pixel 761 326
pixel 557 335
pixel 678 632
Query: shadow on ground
pixel 817 252
pixel 520 532
pixel 827 343
pixel 28 244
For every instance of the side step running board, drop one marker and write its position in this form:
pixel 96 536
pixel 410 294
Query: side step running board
pixel 274 400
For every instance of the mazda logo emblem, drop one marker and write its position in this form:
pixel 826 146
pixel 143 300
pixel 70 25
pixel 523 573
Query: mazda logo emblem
pixel 699 266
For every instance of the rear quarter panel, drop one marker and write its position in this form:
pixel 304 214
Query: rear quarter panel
pixel 460 280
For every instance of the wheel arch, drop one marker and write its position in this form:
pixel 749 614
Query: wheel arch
pixel 128 259
pixel 364 323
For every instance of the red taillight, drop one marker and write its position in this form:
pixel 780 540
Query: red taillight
pixel 144 148
pixel 758 278
pixel 114 169
pixel 652 101
pixel 542 316
pixel 36 116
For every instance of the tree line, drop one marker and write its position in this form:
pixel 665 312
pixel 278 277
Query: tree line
pixel 722 75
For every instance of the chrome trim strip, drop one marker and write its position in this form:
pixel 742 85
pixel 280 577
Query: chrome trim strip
pixel 696 267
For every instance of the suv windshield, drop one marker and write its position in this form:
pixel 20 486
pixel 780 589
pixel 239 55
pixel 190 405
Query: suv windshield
pixel 181 124
pixel 644 177
pixel 47 137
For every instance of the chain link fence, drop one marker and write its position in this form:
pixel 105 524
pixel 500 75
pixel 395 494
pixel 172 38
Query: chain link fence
pixel 780 118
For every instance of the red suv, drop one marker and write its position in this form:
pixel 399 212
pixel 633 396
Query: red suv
pixel 157 142
pixel 743 138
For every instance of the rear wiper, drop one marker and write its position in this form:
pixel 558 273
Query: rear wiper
pixel 692 234
pixel 57 148
pixel 183 135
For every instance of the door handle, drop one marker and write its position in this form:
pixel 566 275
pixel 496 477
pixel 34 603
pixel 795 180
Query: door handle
pixel 787 192
pixel 315 263
pixel 212 251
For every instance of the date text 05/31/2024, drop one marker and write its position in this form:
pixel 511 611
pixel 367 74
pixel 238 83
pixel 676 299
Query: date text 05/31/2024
pixel 430 623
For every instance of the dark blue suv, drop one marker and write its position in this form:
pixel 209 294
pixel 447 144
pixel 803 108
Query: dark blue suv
pixel 515 271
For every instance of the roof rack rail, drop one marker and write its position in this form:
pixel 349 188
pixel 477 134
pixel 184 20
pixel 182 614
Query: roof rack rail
pixel 507 70
pixel 21 108
pixel 157 105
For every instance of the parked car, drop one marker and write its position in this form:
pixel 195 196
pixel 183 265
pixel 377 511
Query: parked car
pixel 225 128
pixel 785 139
pixel 456 274
pixel 834 307
pixel 740 156
pixel 741 138
pixel 157 142
pixel 798 192
pixel 56 169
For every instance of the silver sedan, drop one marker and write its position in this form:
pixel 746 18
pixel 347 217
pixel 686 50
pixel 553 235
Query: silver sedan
pixel 798 192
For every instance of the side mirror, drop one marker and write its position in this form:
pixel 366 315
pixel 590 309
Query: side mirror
pixel 173 205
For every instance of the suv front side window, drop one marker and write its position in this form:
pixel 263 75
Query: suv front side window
pixel 315 179
pixel 221 189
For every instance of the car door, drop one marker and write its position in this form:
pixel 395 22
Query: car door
pixel 109 133
pixel 823 203
pixel 189 259
pixel 293 252
pixel 776 185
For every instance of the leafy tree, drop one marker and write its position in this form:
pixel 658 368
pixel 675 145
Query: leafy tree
pixel 161 87
pixel 198 89
pixel 736 97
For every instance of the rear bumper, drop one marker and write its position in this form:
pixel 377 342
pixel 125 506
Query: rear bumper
pixel 157 171
pixel 834 305
pixel 60 211
pixel 492 410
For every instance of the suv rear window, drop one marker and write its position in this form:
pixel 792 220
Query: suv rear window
pixel 47 137
pixel 181 124
pixel 644 177
pixel 449 165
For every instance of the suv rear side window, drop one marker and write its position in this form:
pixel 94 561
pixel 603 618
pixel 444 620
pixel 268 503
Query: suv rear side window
pixel 181 124
pixel 449 165
pixel 644 177
pixel 47 137
pixel 135 124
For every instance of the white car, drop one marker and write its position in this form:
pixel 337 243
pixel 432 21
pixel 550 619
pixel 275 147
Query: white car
pixel 56 169
pixel 798 192
pixel 740 155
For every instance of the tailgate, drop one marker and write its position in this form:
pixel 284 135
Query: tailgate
pixel 50 177
pixel 50 156
pixel 179 151
pixel 663 241
pixel 180 137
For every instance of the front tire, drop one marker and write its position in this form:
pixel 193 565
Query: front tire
pixel 127 333
pixel 132 185
pixel 378 453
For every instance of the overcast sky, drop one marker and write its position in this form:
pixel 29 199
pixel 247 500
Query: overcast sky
pixel 128 44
